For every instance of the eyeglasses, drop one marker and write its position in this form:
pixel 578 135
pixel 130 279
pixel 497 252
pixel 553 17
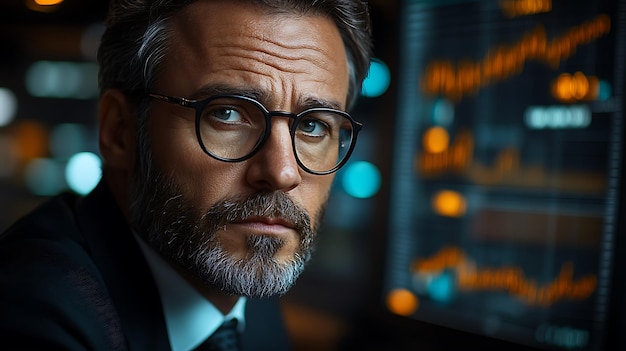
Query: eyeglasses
pixel 232 128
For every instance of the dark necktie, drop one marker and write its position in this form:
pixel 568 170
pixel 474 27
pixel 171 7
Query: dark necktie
pixel 225 338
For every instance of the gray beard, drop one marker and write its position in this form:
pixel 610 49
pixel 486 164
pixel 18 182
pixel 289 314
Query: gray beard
pixel 187 239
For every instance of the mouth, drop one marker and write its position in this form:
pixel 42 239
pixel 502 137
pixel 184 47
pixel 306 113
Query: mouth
pixel 267 225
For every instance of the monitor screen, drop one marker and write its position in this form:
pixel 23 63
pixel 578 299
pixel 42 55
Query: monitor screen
pixel 506 171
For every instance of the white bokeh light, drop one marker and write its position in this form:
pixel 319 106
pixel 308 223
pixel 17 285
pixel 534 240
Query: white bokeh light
pixel 83 172
pixel 8 106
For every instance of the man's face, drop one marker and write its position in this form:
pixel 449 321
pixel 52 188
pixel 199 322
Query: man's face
pixel 244 227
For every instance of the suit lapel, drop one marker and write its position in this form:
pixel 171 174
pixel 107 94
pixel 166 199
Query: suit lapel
pixel 124 269
pixel 134 291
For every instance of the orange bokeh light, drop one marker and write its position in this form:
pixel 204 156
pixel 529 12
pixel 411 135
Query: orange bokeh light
pixel 449 203
pixel 31 140
pixel 48 2
pixel 402 302
pixel 436 140
pixel 575 87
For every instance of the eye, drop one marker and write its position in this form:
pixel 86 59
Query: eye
pixel 313 127
pixel 225 114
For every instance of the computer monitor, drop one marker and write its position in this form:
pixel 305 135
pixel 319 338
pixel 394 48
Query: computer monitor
pixel 507 176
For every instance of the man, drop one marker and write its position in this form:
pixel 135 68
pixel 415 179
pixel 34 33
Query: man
pixel 220 124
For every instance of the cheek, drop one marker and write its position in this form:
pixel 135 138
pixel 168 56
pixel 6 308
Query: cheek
pixel 314 194
pixel 173 142
pixel 208 183
pixel 179 157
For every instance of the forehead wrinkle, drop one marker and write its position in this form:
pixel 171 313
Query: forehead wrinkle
pixel 261 76
pixel 239 59
pixel 291 47
pixel 277 59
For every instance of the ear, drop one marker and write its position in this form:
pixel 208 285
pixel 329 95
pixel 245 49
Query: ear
pixel 117 130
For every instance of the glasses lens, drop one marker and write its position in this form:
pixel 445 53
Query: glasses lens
pixel 322 139
pixel 230 128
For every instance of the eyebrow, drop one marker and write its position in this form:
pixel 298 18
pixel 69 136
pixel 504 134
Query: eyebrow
pixel 263 96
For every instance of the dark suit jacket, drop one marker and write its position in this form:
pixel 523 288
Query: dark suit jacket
pixel 72 277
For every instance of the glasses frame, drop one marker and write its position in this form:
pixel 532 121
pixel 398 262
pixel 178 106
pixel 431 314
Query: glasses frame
pixel 199 105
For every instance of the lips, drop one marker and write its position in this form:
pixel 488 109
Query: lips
pixel 267 225
pixel 271 221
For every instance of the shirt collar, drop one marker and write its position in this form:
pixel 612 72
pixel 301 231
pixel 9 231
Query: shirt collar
pixel 190 317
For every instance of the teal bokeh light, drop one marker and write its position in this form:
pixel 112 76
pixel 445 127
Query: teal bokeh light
pixel 58 79
pixel 361 180
pixel 83 172
pixel 67 139
pixel 44 177
pixel 441 288
pixel 377 81
pixel 605 90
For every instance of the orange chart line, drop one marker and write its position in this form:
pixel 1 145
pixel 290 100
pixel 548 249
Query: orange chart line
pixel 508 279
pixel 458 159
pixel 443 78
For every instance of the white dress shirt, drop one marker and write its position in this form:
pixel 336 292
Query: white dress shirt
pixel 190 317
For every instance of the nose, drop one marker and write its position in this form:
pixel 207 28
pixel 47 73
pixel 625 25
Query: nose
pixel 274 166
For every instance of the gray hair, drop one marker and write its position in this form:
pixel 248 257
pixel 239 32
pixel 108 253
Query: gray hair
pixel 136 39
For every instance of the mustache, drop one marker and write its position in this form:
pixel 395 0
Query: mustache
pixel 264 204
